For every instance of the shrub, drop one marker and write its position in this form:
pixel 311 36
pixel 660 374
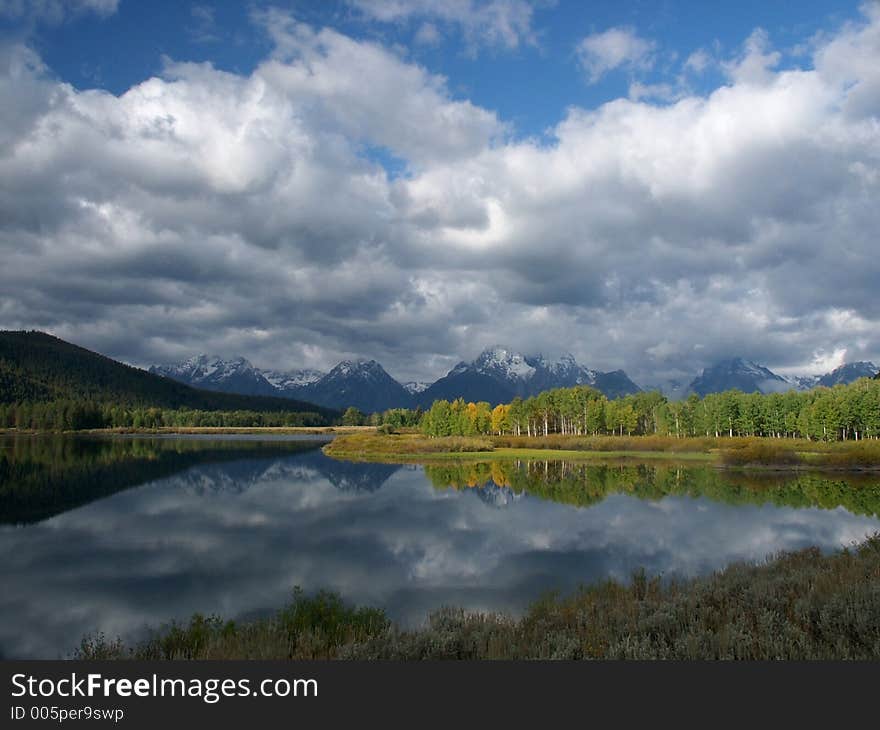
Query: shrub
pixel 760 452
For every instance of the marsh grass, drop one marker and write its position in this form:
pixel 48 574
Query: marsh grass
pixel 847 455
pixel 607 443
pixel 735 452
pixel 378 444
pixel 800 605
pixel 760 452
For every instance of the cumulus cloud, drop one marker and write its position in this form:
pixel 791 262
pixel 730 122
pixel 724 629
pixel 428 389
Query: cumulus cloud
pixel 756 62
pixel 614 48
pixel 493 23
pixel 206 210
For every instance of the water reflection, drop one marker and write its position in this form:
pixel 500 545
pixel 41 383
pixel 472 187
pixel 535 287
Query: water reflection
pixel 585 484
pixel 41 476
pixel 233 529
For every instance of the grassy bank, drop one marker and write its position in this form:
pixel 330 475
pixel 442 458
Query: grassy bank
pixel 801 605
pixel 415 448
pixel 374 446
pixel 370 445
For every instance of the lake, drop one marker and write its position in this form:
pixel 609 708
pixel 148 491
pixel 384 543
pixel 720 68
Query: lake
pixel 119 534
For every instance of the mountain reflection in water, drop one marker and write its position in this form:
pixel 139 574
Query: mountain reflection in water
pixel 120 534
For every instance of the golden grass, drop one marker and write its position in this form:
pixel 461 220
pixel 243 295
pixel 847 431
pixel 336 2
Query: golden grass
pixel 738 452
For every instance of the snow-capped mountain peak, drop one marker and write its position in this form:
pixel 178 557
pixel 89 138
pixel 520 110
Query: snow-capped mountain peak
pixel 801 382
pixel 740 374
pixel 286 380
pixel 360 368
pixel 363 384
pixel 205 366
pixel 416 386
pixel 500 361
pixel 848 372
pixel 211 372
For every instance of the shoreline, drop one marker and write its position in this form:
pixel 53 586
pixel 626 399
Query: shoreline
pixel 364 444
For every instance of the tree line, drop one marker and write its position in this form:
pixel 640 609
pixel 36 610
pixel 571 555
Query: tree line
pixel 844 412
pixel 77 415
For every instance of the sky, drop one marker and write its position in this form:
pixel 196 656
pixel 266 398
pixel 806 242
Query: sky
pixel 650 186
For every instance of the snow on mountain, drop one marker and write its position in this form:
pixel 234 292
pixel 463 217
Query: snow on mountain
pixel 363 384
pixel 503 363
pixel 848 373
pixel 360 369
pixel 801 382
pixel 194 368
pixel 292 379
pixel 750 377
pixel 213 373
pixel 565 372
pixel 499 374
pixel 739 374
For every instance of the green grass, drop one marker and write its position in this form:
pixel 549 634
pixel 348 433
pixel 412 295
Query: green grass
pixel 388 447
pixel 726 452
pixel 415 448
pixel 800 605
pixel 556 442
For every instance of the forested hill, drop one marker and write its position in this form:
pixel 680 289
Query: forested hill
pixel 37 367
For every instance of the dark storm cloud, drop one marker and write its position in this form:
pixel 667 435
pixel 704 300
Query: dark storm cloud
pixel 204 210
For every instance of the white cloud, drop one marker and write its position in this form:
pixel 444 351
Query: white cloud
pixel 202 210
pixel 614 48
pixel 698 61
pixel 368 93
pixel 756 63
pixel 428 35
pixel 494 23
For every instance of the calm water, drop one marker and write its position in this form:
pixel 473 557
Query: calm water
pixel 125 533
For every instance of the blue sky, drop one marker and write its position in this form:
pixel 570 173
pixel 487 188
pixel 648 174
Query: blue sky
pixel 530 85
pixel 648 185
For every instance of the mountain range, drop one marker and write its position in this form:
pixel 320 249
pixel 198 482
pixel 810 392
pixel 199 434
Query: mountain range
pixel 497 375
pixel 750 377
pixel 37 367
